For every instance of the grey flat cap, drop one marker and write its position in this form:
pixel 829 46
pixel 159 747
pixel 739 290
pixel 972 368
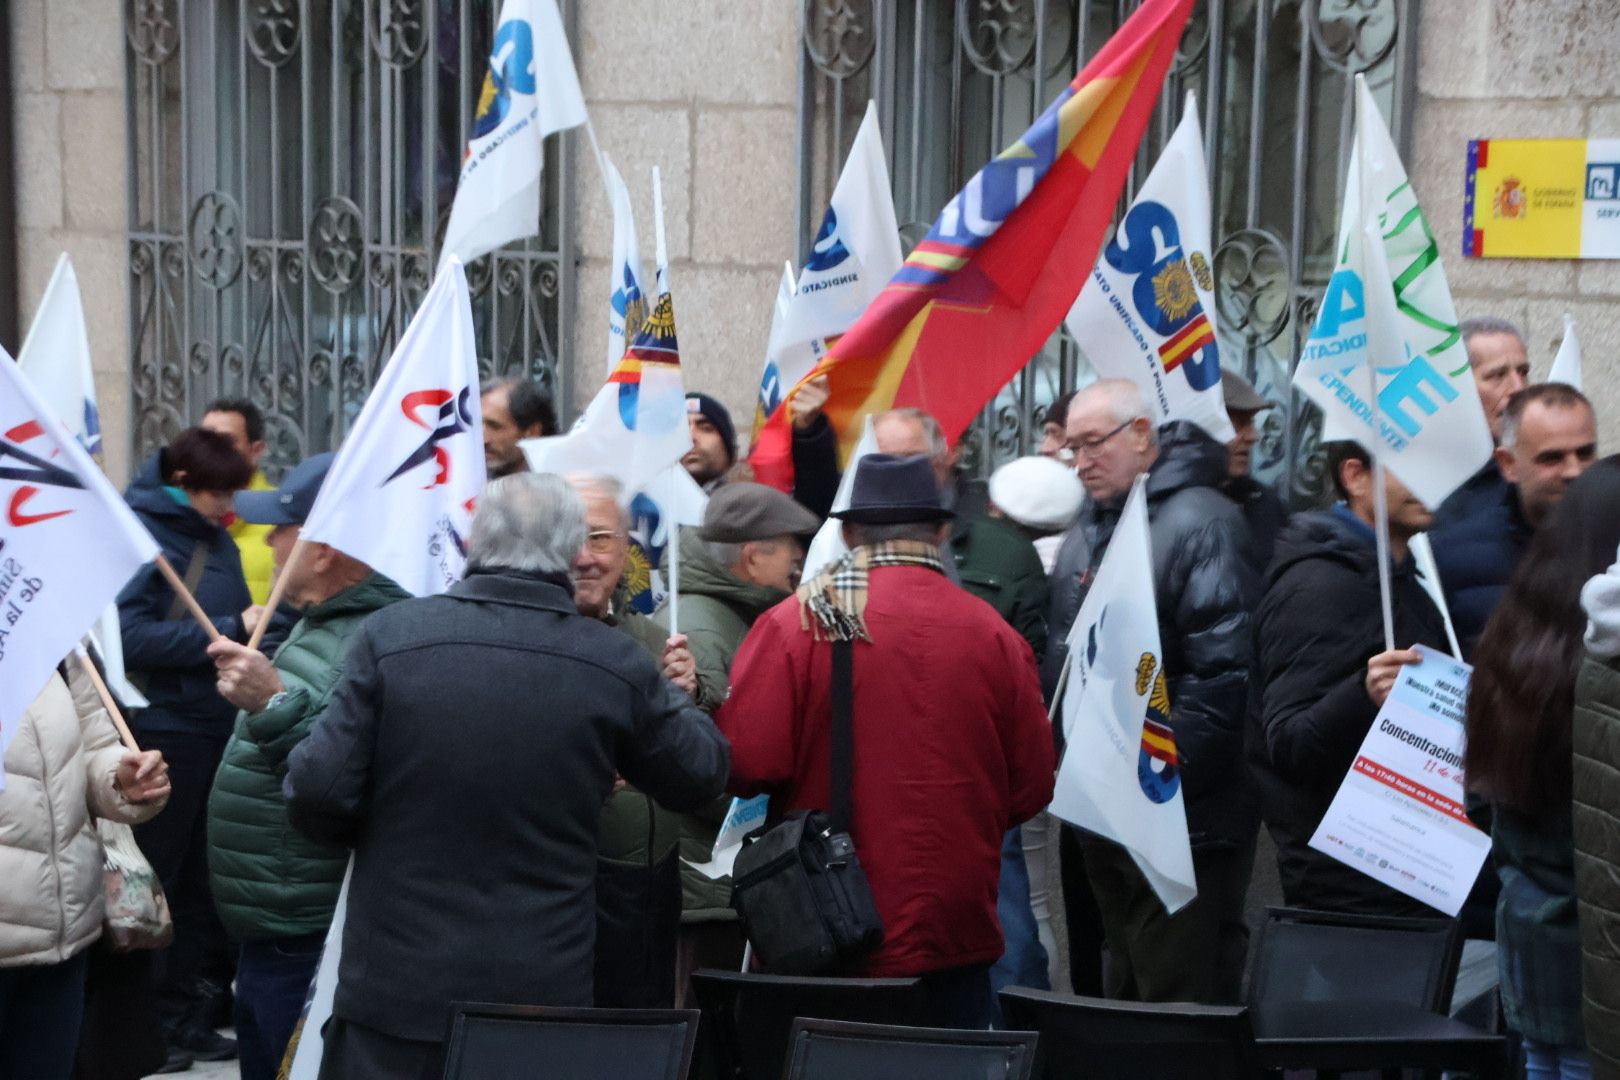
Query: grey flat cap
pixel 1240 394
pixel 738 513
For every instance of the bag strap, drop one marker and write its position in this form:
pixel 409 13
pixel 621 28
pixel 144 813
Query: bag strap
pixel 193 578
pixel 843 733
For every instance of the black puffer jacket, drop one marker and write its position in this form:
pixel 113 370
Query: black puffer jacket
pixel 1315 629
pixel 1479 535
pixel 1204 587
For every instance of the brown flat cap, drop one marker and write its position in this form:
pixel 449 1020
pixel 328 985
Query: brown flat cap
pixel 740 512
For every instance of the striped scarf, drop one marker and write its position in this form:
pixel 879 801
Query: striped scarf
pixel 833 603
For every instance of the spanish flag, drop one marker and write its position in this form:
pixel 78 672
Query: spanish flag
pixel 995 275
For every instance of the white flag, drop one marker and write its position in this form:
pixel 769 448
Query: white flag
pixel 742 818
pixel 400 493
pixel 531 90
pixel 854 255
pixel 771 387
pixel 627 305
pixel 1147 313
pixel 1120 777
pixel 1566 365
pixel 68 545
pixel 828 545
pixel 1388 308
pixel 56 358
pixel 672 499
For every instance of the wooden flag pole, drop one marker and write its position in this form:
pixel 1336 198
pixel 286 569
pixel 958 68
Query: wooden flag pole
pixel 180 590
pixel 276 590
pixel 107 700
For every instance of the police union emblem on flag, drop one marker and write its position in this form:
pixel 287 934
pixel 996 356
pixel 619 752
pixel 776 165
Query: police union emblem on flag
pixel 1156 766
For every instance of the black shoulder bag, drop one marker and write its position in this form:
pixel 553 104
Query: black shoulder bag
pixel 798 885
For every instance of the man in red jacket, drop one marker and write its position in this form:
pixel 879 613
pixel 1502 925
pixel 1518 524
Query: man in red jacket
pixel 952 744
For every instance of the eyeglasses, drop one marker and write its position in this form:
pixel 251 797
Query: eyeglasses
pixel 1090 447
pixel 603 541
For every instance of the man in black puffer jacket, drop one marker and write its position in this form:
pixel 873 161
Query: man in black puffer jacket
pixel 1316 629
pixel 1204 587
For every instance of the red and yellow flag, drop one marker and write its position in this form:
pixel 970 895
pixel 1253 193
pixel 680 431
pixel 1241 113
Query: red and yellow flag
pixel 990 282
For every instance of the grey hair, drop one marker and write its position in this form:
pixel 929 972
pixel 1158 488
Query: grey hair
pixel 861 534
pixel 1124 398
pixel 591 486
pixel 939 447
pixel 724 555
pixel 531 522
pixel 1489 324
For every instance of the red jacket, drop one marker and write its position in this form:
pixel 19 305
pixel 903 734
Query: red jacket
pixel 952 749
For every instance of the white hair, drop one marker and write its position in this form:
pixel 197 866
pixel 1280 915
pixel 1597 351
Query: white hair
pixel 939 447
pixel 592 486
pixel 532 522
pixel 1124 399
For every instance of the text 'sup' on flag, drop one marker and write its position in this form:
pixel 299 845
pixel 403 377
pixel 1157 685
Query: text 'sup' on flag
pixel 1120 777
pixel 1566 365
pixel 530 91
pixel 56 357
pixel 415 456
pixel 983 291
pixel 672 499
pixel 627 303
pixel 68 544
pixel 1385 360
pixel 1147 313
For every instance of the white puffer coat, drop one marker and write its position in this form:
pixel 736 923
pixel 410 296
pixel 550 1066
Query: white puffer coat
pixel 60 768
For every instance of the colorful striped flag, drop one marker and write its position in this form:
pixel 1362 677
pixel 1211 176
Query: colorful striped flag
pixel 1003 263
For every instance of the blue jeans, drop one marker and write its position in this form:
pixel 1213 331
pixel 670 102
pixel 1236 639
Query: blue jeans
pixel 41 1007
pixel 1023 960
pixel 1543 1061
pixel 272 980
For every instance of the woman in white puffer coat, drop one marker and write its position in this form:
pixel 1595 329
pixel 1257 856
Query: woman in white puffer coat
pixel 64 763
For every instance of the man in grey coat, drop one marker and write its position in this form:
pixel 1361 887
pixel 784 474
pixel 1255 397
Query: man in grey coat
pixel 465 757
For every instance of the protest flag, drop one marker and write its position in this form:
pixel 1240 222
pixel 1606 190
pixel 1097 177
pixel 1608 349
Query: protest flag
pixel 627 304
pixel 1385 360
pixel 770 380
pixel 68 545
pixel 1566 365
pixel 855 254
pixel 1003 263
pixel 1120 777
pixel 400 493
pixel 530 91
pixel 1429 577
pixel 656 511
pixel 1147 313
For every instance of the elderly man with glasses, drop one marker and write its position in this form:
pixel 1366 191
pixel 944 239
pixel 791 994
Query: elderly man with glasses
pixel 1205 588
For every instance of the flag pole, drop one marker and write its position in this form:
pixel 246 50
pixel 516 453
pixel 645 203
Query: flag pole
pixel 662 256
pixel 1381 526
pixel 167 570
pixel 107 701
pixel 276 591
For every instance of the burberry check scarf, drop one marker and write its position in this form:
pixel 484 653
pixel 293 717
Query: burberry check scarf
pixel 833 603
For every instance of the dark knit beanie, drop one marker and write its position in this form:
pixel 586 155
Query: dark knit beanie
pixel 716 414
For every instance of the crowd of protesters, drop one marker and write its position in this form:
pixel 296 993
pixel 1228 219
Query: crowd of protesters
pixel 527 771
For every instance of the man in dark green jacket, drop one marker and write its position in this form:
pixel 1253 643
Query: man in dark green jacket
pixel 274 889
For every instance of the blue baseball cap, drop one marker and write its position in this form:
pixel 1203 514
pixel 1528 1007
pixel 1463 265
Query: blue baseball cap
pixel 290 503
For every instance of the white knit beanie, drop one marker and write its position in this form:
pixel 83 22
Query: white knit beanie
pixel 1038 493
pixel 1601 599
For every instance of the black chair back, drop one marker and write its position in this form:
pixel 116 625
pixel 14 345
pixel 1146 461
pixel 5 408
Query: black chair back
pixel 519 1042
pixel 836 1050
pixel 1092 1039
pixel 1322 956
pixel 747 1018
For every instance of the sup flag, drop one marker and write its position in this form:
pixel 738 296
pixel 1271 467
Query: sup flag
pixel 531 90
pixel 1385 361
pixel 1120 777
pixel 627 305
pixel 401 491
pixel 672 499
pixel 68 545
pixel 855 253
pixel 1147 312
pixel 1003 263
pixel 1566 366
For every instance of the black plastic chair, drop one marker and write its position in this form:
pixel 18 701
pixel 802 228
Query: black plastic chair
pixel 837 1050
pixel 747 1018
pixel 1091 1039
pixel 518 1042
pixel 1323 956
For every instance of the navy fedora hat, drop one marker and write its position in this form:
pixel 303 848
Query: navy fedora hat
pixel 892 490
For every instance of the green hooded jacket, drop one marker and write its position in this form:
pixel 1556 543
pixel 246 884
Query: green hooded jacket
pixel 998 563
pixel 268 880
pixel 717 610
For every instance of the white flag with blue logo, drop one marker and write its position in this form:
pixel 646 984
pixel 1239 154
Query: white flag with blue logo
pixel 530 92
pixel 1120 777
pixel 400 494
pixel 1566 365
pixel 770 382
pixel 1385 361
pixel 855 254
pixel 56 358
pixel 627 303
pixel 1147 313
pixel 672 499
